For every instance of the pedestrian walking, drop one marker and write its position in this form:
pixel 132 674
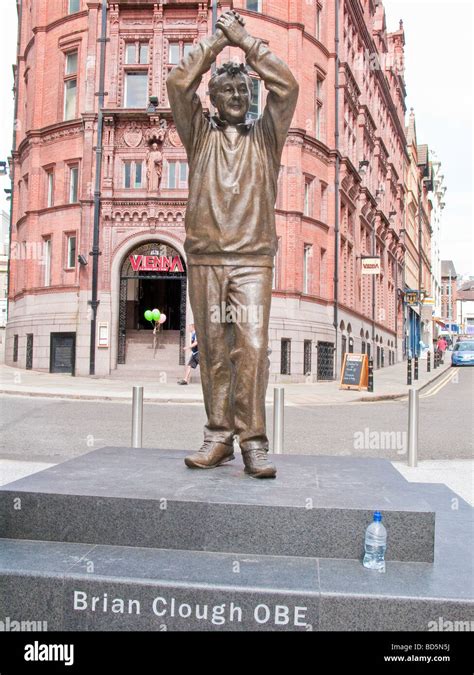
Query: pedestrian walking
pixel 194 360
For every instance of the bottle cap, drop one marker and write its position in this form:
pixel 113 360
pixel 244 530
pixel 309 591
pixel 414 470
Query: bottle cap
pixel 377 517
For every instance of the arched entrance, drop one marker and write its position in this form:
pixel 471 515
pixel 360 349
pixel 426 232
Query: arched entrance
pixel 153 275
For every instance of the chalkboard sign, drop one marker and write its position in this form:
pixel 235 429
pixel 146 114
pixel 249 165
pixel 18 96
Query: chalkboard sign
pixel 355 371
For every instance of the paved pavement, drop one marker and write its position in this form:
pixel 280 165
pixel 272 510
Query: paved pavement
pixel 389 383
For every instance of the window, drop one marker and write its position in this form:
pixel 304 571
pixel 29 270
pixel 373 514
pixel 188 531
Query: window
pixel 50 188
pixel 136 89
pixel 47 262
pixel 254 5
pixel 74 6
pixel 132 174
pixel 322 273
pixel 15 348
pixel 177 175
pixel 307 255
pixel 308 197
pixel 319 107
pixel 143 52
pixel 173 53
pixel 323 210
pixel 254 111
pixel 136 52
pixel 318 21
pixel 70 86
pixel 308 346
pixel 178 50
pixel 71 252
pixel 73 184
pixel 285 364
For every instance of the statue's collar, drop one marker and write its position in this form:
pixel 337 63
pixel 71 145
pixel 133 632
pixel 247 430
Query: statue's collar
pixel 243 127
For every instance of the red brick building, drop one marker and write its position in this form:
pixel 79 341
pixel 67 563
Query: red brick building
pixel 341 190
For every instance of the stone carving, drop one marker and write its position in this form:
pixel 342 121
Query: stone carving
pixel 133 135
pixel 154 171
pixel 173 138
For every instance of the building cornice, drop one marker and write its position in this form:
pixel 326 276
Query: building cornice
pixel 60 130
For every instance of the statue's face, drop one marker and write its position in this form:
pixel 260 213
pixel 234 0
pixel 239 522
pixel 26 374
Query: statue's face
pixel 231 97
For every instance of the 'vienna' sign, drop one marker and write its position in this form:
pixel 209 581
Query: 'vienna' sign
pixel 154 263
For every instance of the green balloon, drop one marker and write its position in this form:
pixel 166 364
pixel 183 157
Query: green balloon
pixel 156 314
pixel 149 315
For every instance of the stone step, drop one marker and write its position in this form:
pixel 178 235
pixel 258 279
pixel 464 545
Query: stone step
pixel 317 507
pixel 78 587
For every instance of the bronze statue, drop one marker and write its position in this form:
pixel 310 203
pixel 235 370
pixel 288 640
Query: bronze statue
pixel 230 233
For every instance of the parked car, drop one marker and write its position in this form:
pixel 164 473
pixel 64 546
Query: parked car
pixel 463 353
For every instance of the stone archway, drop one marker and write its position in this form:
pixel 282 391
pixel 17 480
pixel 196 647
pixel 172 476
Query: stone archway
pixel 141 244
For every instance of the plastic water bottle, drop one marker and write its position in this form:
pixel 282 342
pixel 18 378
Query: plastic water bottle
pixel 375 544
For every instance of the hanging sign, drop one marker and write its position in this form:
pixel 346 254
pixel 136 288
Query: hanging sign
pixel 371 265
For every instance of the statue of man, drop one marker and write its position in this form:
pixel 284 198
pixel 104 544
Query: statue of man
pixel 230 234
pixel 154 167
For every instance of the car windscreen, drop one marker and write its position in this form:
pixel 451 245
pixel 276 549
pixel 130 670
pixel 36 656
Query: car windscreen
pixel 464 347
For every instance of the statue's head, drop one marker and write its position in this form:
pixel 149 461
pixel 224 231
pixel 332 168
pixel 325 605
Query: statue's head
pixel 230 89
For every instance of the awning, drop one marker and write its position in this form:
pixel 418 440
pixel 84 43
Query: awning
pixel 439 321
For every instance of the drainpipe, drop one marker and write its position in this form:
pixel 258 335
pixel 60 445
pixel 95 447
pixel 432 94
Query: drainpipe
pixel 95 253
pixel 336 181
pixel 19 5
pixel 420 259
pixel 213 27
pixel 374 253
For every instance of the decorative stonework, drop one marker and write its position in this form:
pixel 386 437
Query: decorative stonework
pixel 173 138
pixel 141 213
pixel 156 134
pixel 61 134
pixel 133 135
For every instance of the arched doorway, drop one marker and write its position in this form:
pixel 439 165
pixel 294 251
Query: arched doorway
pixel 153 275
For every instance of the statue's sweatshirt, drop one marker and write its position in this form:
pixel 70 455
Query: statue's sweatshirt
pixel 230 217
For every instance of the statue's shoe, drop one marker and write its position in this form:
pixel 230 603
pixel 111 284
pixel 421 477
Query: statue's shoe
pixel 257 463
pixel 210 455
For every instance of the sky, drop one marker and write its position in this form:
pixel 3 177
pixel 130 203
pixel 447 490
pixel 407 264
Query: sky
pixel 439 78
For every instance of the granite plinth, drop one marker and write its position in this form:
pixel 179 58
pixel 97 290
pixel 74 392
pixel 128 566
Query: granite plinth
pixel 79 550
pixel 316 507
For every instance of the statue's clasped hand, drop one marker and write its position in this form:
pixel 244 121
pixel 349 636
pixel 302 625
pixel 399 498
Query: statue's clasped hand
pixel 232 25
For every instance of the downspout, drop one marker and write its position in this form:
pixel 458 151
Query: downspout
pixel 95 253
pixel 374 253
pixel 420 261
pixel 19 5
pixel 336 182
pixel 213 28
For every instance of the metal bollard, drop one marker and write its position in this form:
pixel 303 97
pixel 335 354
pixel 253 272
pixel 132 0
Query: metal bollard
pixel 409 372
pixel 416 368
pixel 413 427
pixel 137 417
pixel 370 381
pixel 435 360
pixel 428 362
pixel 278 419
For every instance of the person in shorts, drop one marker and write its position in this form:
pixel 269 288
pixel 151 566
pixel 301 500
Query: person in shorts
pixel 194 360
